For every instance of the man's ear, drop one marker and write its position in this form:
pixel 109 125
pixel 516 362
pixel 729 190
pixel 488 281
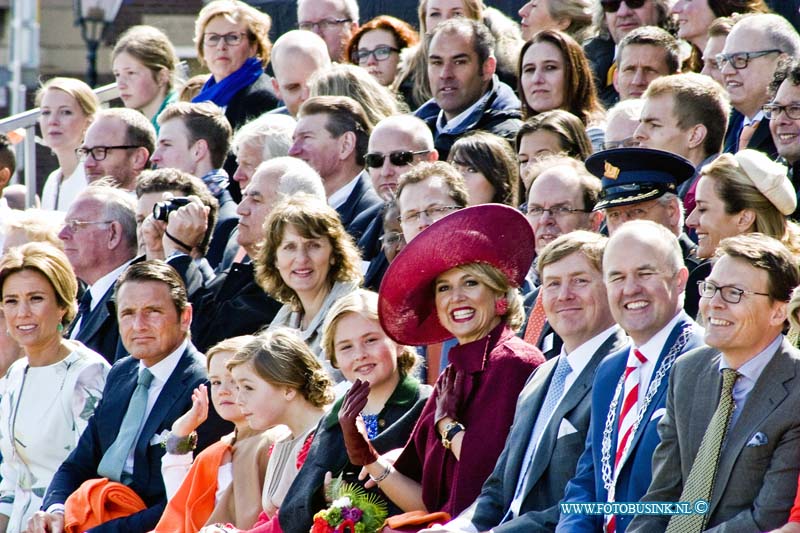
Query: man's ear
pixel 200 149
pixel 140 158
pixel 488 68
pixel 5 177
pixel 347 144
pixel 697 135
pixel 276 88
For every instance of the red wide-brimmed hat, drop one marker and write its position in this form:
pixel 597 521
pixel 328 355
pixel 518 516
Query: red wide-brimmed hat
pixel 490 233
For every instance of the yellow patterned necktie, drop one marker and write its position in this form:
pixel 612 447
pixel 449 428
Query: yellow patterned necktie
pixel 700 484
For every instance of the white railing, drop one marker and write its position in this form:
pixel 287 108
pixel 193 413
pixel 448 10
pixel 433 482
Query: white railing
pixel 27 121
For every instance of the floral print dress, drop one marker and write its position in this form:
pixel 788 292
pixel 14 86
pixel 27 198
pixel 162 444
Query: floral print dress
pixel 43 411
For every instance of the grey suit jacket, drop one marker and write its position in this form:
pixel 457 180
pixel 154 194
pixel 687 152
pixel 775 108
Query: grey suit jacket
pixel 555 458
pixel 757 475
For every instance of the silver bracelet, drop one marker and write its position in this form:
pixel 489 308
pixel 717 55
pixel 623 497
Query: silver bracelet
pixel 383 475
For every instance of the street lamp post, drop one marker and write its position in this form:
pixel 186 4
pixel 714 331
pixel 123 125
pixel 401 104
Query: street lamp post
pixel 94 17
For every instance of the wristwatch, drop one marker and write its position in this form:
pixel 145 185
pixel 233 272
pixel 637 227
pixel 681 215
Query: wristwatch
pixel 451 429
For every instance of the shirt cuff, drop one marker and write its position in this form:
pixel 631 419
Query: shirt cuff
pixel 55 508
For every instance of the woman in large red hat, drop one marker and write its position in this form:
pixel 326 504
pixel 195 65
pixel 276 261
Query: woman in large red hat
pixel 458 278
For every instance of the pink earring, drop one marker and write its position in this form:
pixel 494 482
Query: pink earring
pixel 501 306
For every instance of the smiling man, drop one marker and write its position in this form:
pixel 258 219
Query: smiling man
pixel 552 414
pixel 742 391
pixel 783 113
pixel 467 95
pixel 645 280
pixel 748 61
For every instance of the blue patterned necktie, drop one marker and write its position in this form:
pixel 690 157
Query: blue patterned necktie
pixel 113 461
pixel 551 401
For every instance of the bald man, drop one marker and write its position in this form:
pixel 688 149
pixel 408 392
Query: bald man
pixel 296 55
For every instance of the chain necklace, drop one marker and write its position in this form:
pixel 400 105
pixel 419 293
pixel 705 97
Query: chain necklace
pixel 608 472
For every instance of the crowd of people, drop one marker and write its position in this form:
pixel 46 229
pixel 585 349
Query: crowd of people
pixel 488 275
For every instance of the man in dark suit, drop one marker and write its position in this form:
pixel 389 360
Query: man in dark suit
pixel 332 135
pixel 154 317
pixel 195 138
pixel 99 238
pixel 233 303
pixel 552 414
pixel 751 55
pixel 645 279
pixel 749 481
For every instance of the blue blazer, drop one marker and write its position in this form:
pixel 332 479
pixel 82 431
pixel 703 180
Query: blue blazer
pixel 636 473
pixel 174 400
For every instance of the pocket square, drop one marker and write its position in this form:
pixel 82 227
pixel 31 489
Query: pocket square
pixel 566 428
pixel 160 438
pixel 759 439
pixel 658 413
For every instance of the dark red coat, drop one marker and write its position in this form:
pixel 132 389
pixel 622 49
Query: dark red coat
pixel 499 364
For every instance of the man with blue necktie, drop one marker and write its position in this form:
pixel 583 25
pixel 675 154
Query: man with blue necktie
pixel 144 394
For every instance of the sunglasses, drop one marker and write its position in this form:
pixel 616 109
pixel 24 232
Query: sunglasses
pixel 399 158
pixel 612 6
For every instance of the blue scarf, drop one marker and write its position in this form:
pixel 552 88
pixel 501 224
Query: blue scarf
pixel 221 92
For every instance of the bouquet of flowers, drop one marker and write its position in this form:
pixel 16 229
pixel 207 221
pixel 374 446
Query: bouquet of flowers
pixel 352 510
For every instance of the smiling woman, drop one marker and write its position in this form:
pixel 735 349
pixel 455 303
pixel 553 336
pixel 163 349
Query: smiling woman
pixel 458 278
pixel 307 262
pixel 50 394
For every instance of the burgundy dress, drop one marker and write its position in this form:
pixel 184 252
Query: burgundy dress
pixel 499 365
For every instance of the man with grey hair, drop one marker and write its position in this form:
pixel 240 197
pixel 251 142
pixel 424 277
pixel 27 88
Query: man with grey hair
pixel 621 123
pixel 99 237
pixel 233 303
pixel 333 20
pixel 747 63
pixel 613 20
pixel 467 94
pixel 261 139
pixel 296 56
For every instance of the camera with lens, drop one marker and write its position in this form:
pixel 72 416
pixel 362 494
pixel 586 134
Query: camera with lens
pixel 162 210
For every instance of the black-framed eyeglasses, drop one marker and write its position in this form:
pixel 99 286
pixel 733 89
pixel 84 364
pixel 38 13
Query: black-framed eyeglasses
pixel 627 142
pixel 556 211
pixel 381 53
pixel 391 239
pixel 231 39
pixel 612 6
pixel 75 225
pixel 774 110
pixel 434 213
pixel 399 158
pixel 324 24
pixel 99 153
pixel 740 60
pixel 729 293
